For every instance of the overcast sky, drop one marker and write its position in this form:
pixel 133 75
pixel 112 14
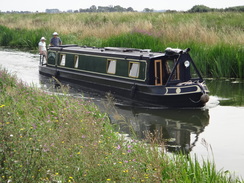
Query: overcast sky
pixel 139 5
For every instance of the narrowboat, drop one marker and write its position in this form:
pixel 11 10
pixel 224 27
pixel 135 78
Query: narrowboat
pixel 169 78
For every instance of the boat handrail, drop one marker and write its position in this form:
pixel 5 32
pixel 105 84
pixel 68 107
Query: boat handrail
pixel 126 49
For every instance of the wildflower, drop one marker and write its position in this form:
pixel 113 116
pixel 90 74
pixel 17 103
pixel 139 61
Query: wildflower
pixel 146 176
pixel 108 179
pixel 78 153
pixel 2 106
pixel 118 147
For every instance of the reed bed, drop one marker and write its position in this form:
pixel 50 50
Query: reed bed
pixel 56 138
pixel 216 39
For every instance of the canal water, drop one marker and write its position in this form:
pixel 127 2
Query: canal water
pixel 215 132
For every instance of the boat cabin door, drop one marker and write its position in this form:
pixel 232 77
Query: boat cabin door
pixel 158 72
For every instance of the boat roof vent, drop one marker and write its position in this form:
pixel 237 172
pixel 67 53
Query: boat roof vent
pixel 120 49
pixel 172 51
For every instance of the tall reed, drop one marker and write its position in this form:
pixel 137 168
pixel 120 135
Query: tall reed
pixel 216 39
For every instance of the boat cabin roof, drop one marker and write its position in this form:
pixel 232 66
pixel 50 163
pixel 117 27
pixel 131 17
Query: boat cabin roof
pixel 117 51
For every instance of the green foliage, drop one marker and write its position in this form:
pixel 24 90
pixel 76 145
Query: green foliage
pixel 20 38
pixel 142 40
pixel 236 8
pixel 200 9
pixel 215 39
pixel 56 138
pixel 218 60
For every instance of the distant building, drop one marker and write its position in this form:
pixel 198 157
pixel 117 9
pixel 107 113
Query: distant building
pixel 52 11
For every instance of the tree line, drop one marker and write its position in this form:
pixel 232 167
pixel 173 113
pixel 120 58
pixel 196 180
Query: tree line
pixel 202 8
pixel 118 8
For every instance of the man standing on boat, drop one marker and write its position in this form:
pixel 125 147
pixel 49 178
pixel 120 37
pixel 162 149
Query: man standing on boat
pixel 42 47
pixel 55 41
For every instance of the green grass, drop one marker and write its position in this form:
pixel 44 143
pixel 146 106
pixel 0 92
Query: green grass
pixel 57 138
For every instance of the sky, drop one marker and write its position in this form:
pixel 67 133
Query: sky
pixel 139 5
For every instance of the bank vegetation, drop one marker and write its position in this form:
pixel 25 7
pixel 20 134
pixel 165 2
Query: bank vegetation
pixel 46 137
pixel 216 39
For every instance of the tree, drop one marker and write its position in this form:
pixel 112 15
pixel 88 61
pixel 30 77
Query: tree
pixel 130 9
pixel 200 8
pixel 93 8
pixel 147 10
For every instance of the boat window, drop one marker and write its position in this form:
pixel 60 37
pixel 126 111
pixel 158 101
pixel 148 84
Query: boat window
pixel 134 69
pixel 62 60
pixel 76 61
pixel 111 66
pixel 176 73
pixel 194 74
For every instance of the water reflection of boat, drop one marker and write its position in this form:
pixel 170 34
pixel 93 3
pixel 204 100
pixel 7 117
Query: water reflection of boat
pixel 174 127
pixel 177 127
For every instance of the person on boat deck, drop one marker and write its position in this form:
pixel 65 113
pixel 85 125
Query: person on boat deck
pixel 42 47
pixel 55 41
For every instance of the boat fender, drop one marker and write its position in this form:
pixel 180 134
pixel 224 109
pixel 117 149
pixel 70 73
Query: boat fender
pixel 204 98
pixel 133 91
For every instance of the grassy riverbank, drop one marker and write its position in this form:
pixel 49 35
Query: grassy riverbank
pixel 216 39
pixel 56 138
